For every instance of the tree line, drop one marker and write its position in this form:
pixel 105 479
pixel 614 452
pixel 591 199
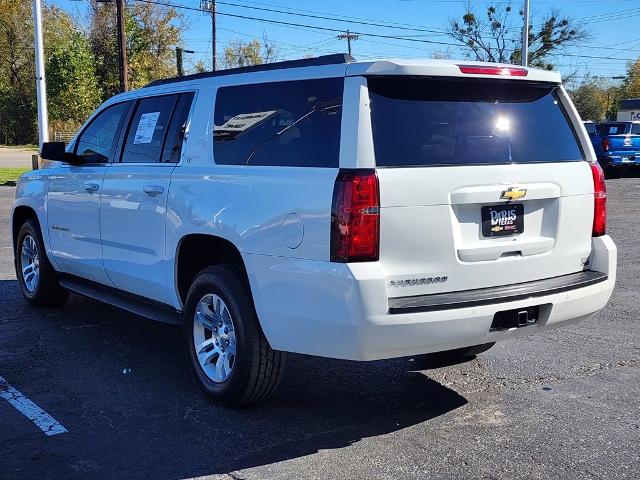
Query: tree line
pixel 80 61
pixel 598 98
pixel 81 58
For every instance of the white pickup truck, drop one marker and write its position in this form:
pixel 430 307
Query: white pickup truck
pixel 355 210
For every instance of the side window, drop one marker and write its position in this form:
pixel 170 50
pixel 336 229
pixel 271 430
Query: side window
pixel 148 129
pixel 279 124
pixel 97 142
pixel 175 134
pixel 591 128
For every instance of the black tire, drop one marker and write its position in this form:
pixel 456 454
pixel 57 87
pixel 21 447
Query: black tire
pixel 257 368
pixel 467 351
pixel 48 291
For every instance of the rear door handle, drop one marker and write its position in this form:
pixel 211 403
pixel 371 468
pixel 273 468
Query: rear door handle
pixel 91 187
pixel 153 189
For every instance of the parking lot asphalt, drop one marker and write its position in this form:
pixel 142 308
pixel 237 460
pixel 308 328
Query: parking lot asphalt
pixel 565 404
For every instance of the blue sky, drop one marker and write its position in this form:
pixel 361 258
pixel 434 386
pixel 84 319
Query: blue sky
pixel 613 25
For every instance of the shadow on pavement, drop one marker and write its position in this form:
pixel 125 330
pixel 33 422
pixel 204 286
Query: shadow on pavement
pixel 114 380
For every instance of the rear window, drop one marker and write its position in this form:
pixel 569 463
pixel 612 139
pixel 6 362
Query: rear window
pixel 591 128
pixel 605 129
pixel 635 129
pixel 293 124
pixel 427 121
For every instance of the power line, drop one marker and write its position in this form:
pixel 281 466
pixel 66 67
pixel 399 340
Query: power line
pixel 349 18
pixel 313 27
pixel 360 33
pixel 334 19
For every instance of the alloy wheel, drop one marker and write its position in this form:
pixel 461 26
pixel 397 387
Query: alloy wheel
pixel 214 338
pixel 30 263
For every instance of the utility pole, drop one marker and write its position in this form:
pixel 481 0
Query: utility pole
pixel 179 61
pixel 122 46
pixel 348 36
pixel 525 34
pixel 41 86
pixel 209 6
pixel 179 52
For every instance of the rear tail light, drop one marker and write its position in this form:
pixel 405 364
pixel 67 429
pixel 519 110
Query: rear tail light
pixel 355 217
pixel 489 70
pixel 599 201
pixel 604 143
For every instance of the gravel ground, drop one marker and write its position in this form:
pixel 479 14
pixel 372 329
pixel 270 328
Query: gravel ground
pixel 564 404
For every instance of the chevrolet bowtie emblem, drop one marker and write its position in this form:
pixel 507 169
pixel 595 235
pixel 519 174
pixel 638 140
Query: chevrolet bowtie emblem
pixel 513 193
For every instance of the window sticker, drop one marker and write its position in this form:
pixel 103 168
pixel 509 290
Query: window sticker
pixel 146 128
pixel 241 123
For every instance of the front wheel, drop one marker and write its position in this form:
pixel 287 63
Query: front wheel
pixel 37 279
pixel 227 352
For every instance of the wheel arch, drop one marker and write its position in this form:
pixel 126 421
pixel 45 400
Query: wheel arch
pixel 21 214
pixel 197 251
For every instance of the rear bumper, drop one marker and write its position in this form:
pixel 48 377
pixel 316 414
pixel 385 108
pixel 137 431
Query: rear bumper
pixel 488 296
pixel 342 311
pixel 620 159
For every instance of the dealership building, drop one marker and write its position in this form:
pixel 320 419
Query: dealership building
pixel 629 110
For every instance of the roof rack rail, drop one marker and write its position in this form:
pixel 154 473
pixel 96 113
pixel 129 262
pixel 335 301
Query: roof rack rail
pixel 334 59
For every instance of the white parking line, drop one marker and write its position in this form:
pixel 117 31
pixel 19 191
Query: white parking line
pixel 33 412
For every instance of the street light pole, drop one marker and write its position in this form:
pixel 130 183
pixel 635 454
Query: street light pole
pixel 179 65
pixel 525 34
pixel 41 86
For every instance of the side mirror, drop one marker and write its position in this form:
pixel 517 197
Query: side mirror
pixel 56 151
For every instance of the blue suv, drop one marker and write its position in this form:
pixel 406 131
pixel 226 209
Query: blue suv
pixel 617 144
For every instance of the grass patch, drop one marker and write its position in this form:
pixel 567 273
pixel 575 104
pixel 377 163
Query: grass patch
pixel 10 175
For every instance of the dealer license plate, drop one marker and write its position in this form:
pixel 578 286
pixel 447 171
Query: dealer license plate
pixel 502 220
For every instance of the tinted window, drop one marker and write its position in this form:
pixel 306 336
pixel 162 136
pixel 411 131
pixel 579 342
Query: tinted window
pixel 285 123
pixel 175 134
pixel 612 129
pixel 635 128
pixel 96 143
pixel 421 121
pixel 148 129
pixel 591 128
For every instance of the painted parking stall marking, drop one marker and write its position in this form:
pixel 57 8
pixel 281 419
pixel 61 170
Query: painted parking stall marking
pixel 33 412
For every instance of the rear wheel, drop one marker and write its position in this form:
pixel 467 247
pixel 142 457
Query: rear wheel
pixel 227 351
pixel 37 279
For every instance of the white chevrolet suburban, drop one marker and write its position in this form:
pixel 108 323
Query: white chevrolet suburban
pixel 354 210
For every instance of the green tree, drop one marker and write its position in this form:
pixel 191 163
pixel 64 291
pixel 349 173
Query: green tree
pixel 200 67
pixel 630 87
pixel 71 88
pixel 496 37
pixel 592 100
pixel 241 54
pixel 17 85
pixel 72 85
pixel 153 31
